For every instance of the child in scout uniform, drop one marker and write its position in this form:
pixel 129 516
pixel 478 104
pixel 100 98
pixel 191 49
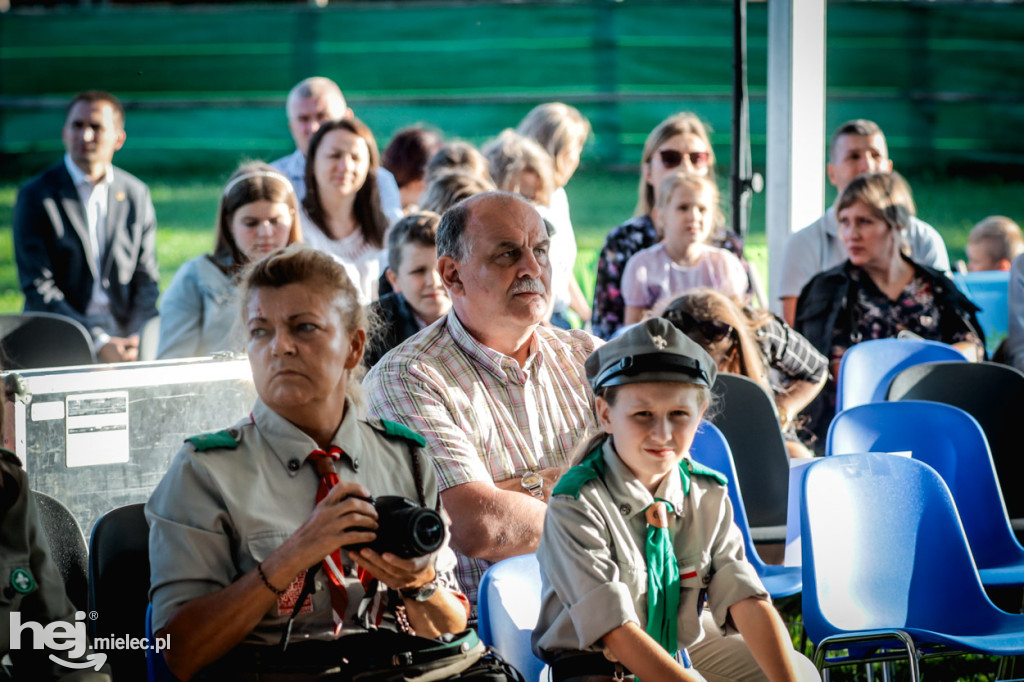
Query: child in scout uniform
pixel 637 535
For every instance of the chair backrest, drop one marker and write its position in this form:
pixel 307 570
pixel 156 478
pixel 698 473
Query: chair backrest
pixel 990 291
pixel 149 339
pixel 883 548
pixel 67 547
pixel 868 367
pixel 508 606
pixel 119 584
pixel 951 442
pixel 989 392
pixel 745 414
pixel 712 450
pixel 34 340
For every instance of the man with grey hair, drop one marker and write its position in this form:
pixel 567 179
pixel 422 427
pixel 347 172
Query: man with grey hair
pixel 856 147
pixel 501 398
pixel 311 102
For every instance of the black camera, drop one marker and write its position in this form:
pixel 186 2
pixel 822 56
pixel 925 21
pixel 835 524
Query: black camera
pixel 403 528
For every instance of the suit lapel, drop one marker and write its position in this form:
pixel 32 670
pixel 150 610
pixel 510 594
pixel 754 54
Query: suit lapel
pixel 117 205
pixel 72 204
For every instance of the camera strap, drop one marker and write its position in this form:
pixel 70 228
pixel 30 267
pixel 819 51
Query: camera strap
pixel 308 586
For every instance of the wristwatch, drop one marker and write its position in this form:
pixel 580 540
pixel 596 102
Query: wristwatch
pixel 533 483
pixel 421 593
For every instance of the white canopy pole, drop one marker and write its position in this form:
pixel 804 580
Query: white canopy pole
pixel 795 151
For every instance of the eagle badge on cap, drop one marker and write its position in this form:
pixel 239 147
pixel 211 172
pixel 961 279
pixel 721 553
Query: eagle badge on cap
pixel 659 342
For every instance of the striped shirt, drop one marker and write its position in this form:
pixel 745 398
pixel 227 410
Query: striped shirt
pixel 486 418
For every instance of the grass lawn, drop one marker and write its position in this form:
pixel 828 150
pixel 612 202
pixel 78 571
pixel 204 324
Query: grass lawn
pixel 186 210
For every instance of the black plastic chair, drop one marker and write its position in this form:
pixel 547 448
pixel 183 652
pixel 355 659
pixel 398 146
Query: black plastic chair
pixel 34 340
pixel 745 414
pixel 991 393
pixel 67 547
pixel 119 584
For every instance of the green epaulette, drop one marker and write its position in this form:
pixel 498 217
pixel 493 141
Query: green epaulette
pixel 397 430
pixel 587 470
pixel 228 439
pixel 688 467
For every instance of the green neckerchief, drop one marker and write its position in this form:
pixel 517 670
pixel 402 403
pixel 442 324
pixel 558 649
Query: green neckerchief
pixel 662 577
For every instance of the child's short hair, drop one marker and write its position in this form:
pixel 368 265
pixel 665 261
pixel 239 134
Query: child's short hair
pixel 999 237
pixel 415 228
pixel 674 181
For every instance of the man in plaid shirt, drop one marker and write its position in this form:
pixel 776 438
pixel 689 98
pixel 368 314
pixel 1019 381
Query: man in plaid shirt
pixel 501 399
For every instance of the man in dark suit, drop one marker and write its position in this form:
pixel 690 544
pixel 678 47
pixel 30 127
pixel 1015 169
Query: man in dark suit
pixel 85 233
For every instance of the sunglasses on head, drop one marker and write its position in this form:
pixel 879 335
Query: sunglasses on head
pixel 670 158
pixel 712 331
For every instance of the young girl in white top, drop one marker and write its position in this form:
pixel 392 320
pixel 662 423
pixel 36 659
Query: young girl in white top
pixel 683 260
pixel 341 210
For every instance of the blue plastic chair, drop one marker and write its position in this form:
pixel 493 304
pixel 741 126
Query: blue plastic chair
pixel 953 443
pixel 508 606
pixel 156 666
pixel 711 449
pixel 867 367
pixel 990 291
pixel 887 567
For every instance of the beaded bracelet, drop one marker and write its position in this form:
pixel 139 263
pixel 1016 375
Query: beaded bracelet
pixel 279 593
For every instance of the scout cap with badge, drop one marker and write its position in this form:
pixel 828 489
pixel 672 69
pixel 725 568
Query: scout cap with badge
pixel 653 350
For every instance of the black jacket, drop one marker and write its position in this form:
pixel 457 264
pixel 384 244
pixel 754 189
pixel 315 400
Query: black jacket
pixel 55 266
pixel 396 324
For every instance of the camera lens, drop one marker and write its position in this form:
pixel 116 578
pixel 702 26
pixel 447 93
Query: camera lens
pixel 427 532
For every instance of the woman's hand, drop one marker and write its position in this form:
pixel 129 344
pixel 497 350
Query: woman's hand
pixel 339 520
pixel 394 571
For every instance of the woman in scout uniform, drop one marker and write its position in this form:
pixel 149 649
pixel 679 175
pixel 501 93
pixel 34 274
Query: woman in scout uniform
pixel 246 526
pixel 637 534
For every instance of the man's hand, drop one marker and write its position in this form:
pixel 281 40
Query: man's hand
pixel 120 349
pixel 550 476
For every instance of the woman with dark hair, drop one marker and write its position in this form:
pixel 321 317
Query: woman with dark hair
pixel 759 346
pixel 679 143
pixel 406 157
pixel 258 214
pixel 270 560
pixel 878 292
pixel 342 213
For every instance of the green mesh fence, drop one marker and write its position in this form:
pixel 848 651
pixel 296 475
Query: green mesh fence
pixel 205 86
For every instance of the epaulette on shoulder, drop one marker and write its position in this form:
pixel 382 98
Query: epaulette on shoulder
pixel 227 439
pixel 698 468
pixel 396 430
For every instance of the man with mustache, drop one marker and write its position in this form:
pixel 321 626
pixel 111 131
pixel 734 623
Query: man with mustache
pixel 85 233
pixel 501 398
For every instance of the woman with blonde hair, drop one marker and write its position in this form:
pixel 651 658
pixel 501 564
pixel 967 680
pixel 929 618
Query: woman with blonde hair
pixel 272 557
pixel 758 345
pixel 878 292
pixel 679 143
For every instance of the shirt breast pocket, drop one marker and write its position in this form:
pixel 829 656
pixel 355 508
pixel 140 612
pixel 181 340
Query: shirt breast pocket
pixel 260 545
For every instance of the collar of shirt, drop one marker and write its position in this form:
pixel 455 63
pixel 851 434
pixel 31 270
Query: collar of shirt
pixel 498 364
pixel 294 165
pixel 78 175
pixel 628 492
pixel 288 442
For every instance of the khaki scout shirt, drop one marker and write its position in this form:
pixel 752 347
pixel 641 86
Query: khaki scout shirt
pixel 593 566
pixel 218 512
pixel 31 585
